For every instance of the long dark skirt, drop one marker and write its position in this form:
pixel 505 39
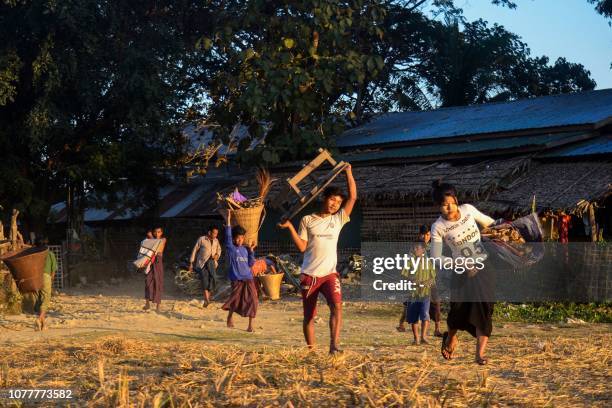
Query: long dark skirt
pixel 472 301
pixel 243 299
pixel 154 281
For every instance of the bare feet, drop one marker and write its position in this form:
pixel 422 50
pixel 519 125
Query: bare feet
pixel 333 350
pixel 424 340
pixel 250 329
pixel 40 324
pixel 146 307
pixel 416 342
pixel 230 323
pixel 448 345
pixel 481 360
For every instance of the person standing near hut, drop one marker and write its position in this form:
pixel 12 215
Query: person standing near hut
pixel 154 280
pixel 317 238
pixel 471 307
pixel 244 297
pixel 204 259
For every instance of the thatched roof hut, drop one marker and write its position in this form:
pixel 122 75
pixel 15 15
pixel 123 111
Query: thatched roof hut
pixel 556 185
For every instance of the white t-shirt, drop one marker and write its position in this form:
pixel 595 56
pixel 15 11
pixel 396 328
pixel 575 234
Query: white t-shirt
pixel 322 234
pixel 462 236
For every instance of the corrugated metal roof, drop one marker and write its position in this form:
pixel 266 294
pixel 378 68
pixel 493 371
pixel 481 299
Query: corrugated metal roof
pixel 582 108
pixel 195 199
pixel 597 146
pixel 456 148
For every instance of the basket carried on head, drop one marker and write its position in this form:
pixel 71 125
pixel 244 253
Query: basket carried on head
pixel 250 219
pixel 27 266
pixel 271 285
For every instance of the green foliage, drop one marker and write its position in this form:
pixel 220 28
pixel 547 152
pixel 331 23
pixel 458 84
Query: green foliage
pixel 91 93
pixel 603 7
pixel 472 62
pixel 293 73
pixel 554 312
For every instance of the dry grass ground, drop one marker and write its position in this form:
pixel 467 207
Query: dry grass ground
pixel 110 353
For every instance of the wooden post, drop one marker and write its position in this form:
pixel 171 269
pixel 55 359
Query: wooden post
pixel 15 235
pixel 592 222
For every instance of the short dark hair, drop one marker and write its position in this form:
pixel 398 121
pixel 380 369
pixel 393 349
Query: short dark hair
pixel 442 190
pixel 333 191
pixel 238 230
pixel 423 229
pixel 212 227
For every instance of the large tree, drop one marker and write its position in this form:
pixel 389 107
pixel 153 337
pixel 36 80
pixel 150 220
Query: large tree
pixel 477 63
pixel 288 66
pixel 91 93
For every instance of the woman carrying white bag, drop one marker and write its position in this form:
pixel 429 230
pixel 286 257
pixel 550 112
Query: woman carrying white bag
pixel 151 262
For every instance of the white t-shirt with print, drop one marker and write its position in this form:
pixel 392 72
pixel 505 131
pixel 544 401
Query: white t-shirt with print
pixel 320 257
pixel 462 236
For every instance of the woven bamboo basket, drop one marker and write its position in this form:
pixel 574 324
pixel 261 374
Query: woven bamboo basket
pixel 271 285
pixel 251 220
pixel 27 266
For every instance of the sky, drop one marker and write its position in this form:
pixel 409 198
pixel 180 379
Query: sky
pixel 556 28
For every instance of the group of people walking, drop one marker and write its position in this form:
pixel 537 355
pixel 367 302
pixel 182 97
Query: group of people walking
pixel 317 238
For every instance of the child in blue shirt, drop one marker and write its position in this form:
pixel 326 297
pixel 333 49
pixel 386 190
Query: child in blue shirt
pixel 244 298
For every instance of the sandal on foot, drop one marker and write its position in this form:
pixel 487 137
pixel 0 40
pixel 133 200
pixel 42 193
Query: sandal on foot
pixel 482 361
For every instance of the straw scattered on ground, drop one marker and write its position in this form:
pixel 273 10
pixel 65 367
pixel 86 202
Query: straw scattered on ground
pixel 187 357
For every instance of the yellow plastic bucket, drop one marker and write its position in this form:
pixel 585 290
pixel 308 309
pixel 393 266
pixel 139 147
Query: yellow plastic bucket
pixel 271 285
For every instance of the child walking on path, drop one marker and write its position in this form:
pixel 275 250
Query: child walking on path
pixel 424 277
pixel 318 239
pixel 243 298
pixel 434 301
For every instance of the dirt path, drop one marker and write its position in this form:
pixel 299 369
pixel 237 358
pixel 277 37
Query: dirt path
pixel 184 351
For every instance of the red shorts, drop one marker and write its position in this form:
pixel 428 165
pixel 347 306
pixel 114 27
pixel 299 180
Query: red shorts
pixel 311 286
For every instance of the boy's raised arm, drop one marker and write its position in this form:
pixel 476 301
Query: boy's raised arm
pixel 228 228
pixel 352 191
